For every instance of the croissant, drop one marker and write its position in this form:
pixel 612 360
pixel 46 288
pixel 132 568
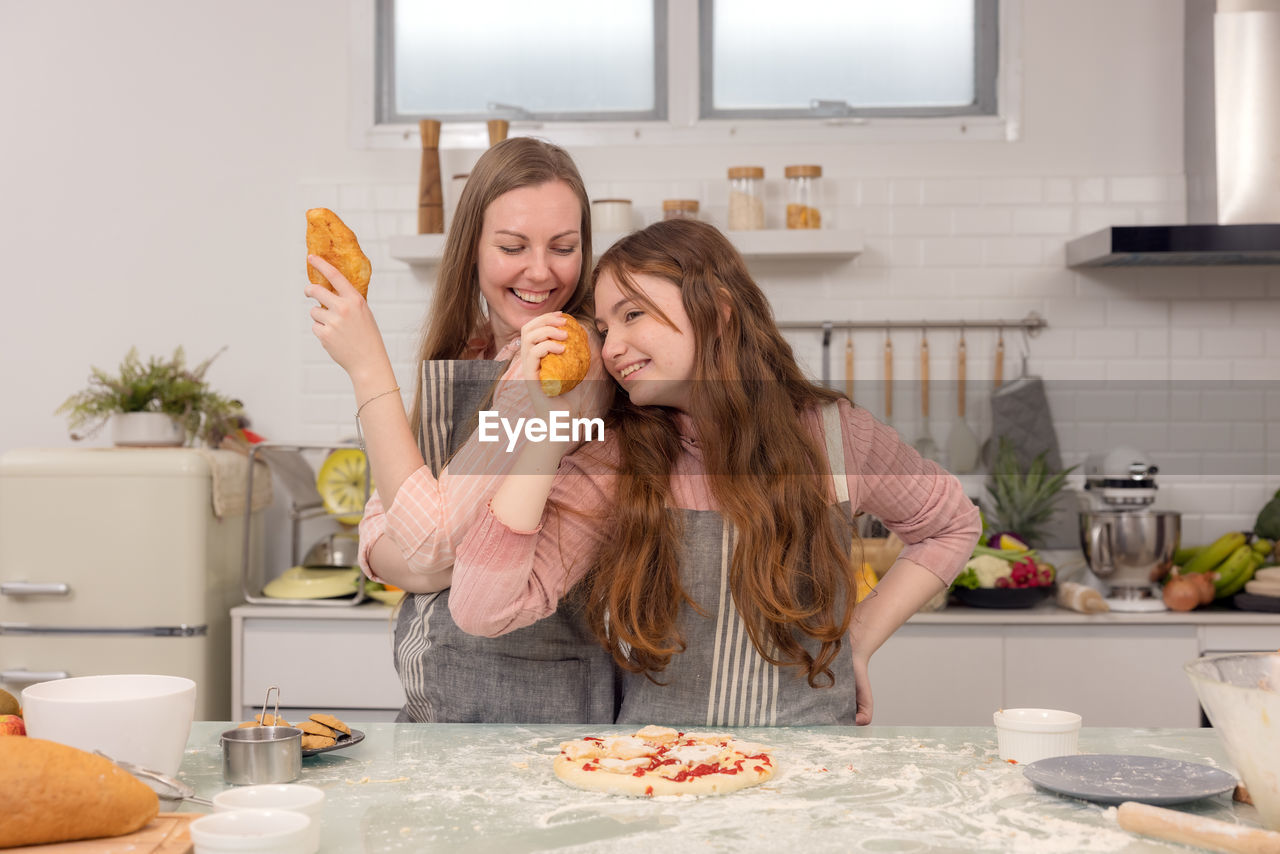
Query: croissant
pixel 329 237
pixel 560 372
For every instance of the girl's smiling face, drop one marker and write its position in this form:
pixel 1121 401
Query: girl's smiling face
pixel 530 255
pixel 651 359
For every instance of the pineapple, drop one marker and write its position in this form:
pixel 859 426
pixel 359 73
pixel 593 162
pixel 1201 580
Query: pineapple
pixel 1022 502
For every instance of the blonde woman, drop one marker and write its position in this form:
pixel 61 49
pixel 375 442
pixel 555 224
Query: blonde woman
pixel 519 248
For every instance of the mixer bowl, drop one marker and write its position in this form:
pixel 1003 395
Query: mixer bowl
pixel 1130 549
pixel 1240 693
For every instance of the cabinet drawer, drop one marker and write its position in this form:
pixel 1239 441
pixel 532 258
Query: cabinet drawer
pixel 320 664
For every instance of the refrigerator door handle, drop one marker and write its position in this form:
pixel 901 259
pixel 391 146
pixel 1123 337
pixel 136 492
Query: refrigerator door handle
pixel 31 677
pixel 33 588
pixel 139 631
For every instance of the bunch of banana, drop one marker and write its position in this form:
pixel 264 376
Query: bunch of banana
pixel 1231 559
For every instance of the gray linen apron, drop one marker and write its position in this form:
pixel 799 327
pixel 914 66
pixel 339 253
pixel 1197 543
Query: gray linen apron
pixel 720 679
pixel 554 671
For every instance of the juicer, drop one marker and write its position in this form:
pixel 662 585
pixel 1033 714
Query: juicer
pixel 1128 545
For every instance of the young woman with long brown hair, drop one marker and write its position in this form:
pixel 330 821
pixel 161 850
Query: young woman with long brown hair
pixel 518 248
pixel 711 532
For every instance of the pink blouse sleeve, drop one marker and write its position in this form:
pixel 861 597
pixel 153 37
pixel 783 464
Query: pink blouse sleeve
pixel 430 515
pixel 915 498
pixel 505 579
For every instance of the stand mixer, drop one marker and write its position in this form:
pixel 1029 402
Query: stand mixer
pixel 1129 546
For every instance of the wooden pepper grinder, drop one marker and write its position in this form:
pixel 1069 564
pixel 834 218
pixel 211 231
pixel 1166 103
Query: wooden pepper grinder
pixel 430 192
pixel 497 131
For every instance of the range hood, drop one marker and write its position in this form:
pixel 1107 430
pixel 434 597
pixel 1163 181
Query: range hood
pixel 1231 149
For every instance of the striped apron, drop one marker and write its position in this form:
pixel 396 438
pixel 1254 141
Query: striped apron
pixel 551 672
pixel 720 679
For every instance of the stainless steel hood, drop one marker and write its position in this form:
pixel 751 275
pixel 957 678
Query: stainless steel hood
pixel 1231 149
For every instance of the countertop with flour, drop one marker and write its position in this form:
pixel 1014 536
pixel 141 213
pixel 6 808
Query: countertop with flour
pixel 483 788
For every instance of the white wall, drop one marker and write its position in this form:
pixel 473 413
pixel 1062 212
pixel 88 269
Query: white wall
pixel 158 157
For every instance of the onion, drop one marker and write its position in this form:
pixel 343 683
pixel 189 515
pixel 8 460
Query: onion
pixel 1181 593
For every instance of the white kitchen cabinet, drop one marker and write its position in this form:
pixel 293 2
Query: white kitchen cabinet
pixel 334 660
pixel 958 666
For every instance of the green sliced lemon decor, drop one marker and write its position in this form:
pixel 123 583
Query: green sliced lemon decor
pixel 341 484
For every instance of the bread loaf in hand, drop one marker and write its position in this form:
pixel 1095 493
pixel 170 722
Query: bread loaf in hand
pixel 329 237
pixel 560 372
pixel 56 793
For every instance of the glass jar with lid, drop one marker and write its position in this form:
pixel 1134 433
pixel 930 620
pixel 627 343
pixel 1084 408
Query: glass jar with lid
pixel 746 199
pixel 679 208
pixel 804 200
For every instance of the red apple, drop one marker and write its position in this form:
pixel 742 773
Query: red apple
pixel 12 725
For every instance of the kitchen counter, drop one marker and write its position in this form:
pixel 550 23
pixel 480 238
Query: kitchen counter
pixel 1047 613
pixel 480 788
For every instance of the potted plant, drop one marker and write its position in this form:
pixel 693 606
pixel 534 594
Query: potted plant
pixel 161 402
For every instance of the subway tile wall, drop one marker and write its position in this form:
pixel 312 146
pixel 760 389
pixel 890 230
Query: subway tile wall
pixel 1181 363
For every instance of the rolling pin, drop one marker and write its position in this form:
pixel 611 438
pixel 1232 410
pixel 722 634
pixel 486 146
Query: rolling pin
pixel 430 190
pixel 1189 829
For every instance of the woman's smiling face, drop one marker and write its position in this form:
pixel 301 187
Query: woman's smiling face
pixel 530 255
pixel 652 360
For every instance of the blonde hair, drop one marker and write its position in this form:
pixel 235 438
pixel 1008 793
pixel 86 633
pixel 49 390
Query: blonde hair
pixel 457 309
pixel 791 572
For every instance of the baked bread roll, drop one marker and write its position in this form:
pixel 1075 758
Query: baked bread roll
pixel 329 237
pixel 56 793
pixel 560 372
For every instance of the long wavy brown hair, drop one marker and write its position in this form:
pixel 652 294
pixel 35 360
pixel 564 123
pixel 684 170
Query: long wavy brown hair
pixel 457 309
pixel 791 573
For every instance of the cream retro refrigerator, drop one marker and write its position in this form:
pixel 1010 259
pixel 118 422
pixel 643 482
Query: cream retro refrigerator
pixel 112 560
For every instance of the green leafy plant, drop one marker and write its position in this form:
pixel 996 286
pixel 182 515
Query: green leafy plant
pixel 1022 503
pixel 159 385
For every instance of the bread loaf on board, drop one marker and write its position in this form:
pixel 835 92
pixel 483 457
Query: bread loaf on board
pixel 56 793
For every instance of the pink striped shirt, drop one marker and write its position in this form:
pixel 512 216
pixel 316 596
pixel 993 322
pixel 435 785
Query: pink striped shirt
pixel 505 579
pixel 430 515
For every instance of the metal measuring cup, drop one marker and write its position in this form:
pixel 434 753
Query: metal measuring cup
pixel 262 754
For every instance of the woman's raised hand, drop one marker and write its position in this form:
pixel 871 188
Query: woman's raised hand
pixel 546 334
pixel 343 322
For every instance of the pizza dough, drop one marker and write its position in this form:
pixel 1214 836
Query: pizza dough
pixel 661 761
pixel 331 239
pixel 559 372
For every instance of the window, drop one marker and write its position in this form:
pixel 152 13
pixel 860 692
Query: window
pixel 549 60
pixel 687 70
pixel 818 58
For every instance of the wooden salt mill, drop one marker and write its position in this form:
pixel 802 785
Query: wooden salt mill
pixel 497 131
pixel 430 192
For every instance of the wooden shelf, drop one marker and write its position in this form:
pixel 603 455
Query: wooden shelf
pixel 817 243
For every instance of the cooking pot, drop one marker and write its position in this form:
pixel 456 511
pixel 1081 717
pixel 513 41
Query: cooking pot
pixel 336 551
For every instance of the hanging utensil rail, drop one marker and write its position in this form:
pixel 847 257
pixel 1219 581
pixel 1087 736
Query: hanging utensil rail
pixel 1032 324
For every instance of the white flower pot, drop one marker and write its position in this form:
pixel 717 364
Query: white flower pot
pixel 146 429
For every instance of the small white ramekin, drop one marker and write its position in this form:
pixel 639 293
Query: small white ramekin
pixel 297 797
pixel 276 831
pixel 1027 735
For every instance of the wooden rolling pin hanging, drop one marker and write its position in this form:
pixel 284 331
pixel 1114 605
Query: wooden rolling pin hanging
pixel 848 366
pixel 430 191
pixel 999 377
pixel 888 378
pixel 497 131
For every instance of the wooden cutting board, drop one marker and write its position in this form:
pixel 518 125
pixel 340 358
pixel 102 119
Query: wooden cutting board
pixel 167 833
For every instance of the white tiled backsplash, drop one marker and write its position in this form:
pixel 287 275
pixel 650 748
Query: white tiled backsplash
pixel 1183 363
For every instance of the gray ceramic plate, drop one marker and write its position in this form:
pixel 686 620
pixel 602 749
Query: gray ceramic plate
pixel 345 741
pixel 1108 778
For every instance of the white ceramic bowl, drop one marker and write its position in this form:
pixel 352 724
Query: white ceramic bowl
pixel 276 831
pixel 143 719
pixel 1027 735
pixel 296 797
pixel 1241 695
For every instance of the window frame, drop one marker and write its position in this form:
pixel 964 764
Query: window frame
pixel 986 46
pixel 683 125
pixel 385 92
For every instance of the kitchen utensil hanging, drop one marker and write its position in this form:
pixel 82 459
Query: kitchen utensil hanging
pixel 924 444
pixel 848 365
pixel 888 378
pixel 962 443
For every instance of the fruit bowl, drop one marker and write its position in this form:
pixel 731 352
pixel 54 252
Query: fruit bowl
pixel 1003 597
pixel 1240 693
